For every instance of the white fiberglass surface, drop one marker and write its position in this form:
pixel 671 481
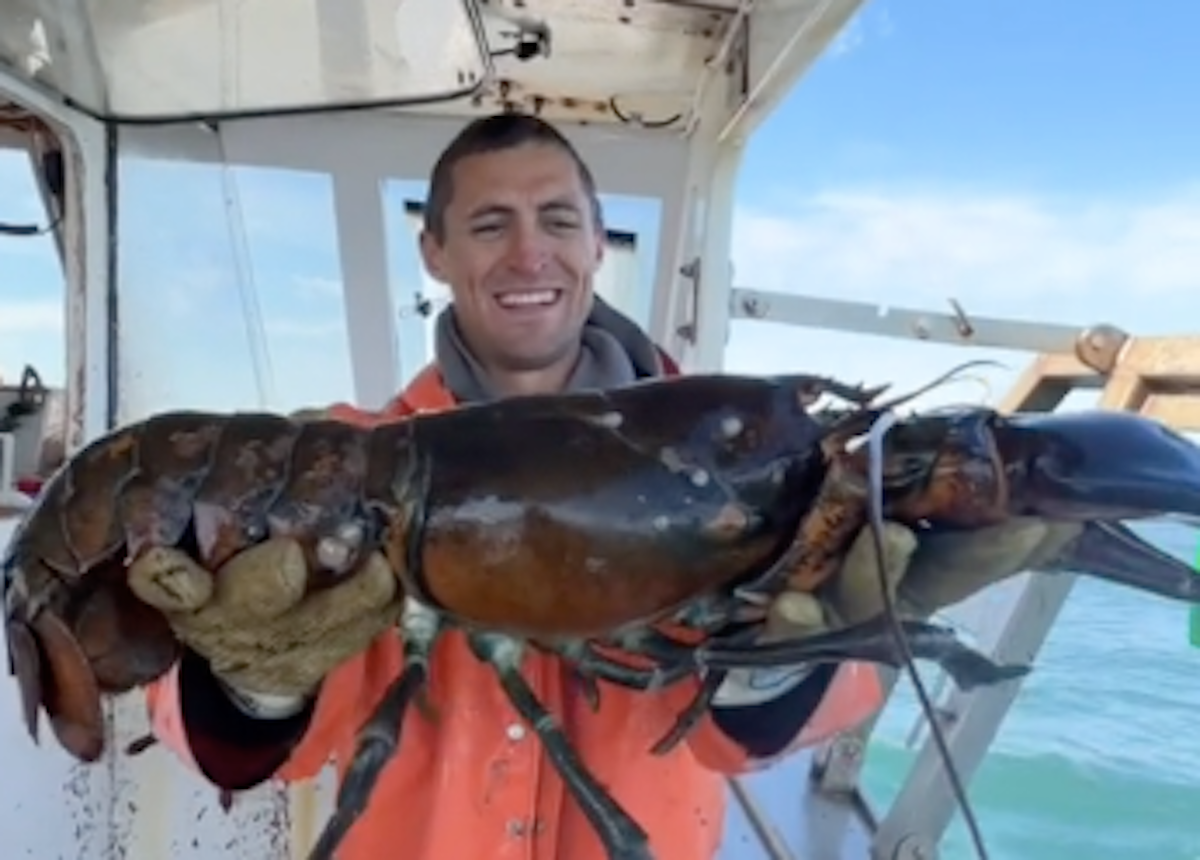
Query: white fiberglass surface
pixel 201 57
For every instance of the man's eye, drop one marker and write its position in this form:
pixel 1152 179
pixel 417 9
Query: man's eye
pixel 485 229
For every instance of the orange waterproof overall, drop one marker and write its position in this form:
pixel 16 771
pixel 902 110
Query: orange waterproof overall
pixel 477 785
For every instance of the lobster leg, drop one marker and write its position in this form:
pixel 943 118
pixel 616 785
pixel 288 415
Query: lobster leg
pixel 588 667
pixel 589 688
pixel 692 714
pixel 622 837
pixel 593 664
pixel 379 737
pixel 871 642
pixel 675 658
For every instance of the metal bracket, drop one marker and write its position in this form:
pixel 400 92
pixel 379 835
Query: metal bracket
pixel 691 271
pixel 915 847
pixel 836 770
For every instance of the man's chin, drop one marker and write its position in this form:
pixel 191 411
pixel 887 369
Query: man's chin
pixel 522 359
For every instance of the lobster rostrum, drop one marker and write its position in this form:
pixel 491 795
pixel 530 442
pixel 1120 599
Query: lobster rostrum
pixel 585 524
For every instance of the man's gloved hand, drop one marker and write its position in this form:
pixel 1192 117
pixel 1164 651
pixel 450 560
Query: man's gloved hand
pixel 925 577
pixel 852 597
pixel 950 567
pixel 268 640
pixel 253 621
pixel 939 571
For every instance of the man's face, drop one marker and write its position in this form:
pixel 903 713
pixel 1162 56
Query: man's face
pixel 519 253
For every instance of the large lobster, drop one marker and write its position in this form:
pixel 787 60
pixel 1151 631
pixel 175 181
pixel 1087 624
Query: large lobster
pixel 580 523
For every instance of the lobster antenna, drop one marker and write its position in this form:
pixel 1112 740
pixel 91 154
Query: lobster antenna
pixel 937 381
pixel 848 425
pixel 875 437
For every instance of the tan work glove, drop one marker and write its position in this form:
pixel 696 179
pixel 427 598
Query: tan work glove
pixel 940 571
pixel 952 566
pixel 254 623
pixel 253 620
pixel 852 596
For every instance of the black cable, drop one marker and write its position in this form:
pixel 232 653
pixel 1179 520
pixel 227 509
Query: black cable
pixel 55 179
pixel 875 509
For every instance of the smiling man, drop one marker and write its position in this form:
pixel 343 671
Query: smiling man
pixel 514 229
pixel 513 226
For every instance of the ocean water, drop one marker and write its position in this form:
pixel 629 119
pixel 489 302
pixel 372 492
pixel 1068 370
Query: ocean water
pixel 1099 759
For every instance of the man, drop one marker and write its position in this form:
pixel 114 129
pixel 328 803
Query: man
pixel 513 226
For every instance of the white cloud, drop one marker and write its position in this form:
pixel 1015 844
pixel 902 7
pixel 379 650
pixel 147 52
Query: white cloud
pixel 872 23
pixel 31 332
pixel 318 287
pixel 914 245
pixel 32 318
pixel 332 331
pixel 849 39
pixel 1132 264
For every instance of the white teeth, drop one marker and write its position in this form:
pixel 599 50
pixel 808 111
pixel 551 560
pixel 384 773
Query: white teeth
pixel 543 297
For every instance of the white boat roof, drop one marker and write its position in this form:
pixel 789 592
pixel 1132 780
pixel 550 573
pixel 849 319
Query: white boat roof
pixel 595 61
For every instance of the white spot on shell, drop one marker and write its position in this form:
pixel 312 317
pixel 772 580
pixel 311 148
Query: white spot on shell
pixel 731 426
pixel 350 533
pixel 661 523
pixel 611 420
pixel 700 477
pixel 334 554
pixel 504 523
pixel 671 459
pixel 730 522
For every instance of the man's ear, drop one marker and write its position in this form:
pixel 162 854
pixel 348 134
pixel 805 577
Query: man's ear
pixel 432 256
pixel 601 236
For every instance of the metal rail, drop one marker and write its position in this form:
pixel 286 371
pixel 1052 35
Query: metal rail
pixel 1096 346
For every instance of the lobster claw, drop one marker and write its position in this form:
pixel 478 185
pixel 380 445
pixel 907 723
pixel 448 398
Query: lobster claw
pixel 1113 552
pixel 1098 465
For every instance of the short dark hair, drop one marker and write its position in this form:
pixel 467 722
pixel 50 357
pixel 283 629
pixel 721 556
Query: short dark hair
pixel 493 134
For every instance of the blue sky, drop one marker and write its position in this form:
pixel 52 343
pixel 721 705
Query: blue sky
pixel 1037 160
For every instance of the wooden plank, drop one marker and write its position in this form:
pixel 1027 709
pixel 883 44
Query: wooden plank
pixel 1124 390
pixel 1046 381
pixel 1181 411
pixel 1171 359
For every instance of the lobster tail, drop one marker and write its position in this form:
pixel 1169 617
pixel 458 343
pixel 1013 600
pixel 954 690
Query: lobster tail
pixel 54 674
pixel 25 663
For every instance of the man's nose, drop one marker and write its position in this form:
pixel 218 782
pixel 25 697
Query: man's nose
pixel 528 250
